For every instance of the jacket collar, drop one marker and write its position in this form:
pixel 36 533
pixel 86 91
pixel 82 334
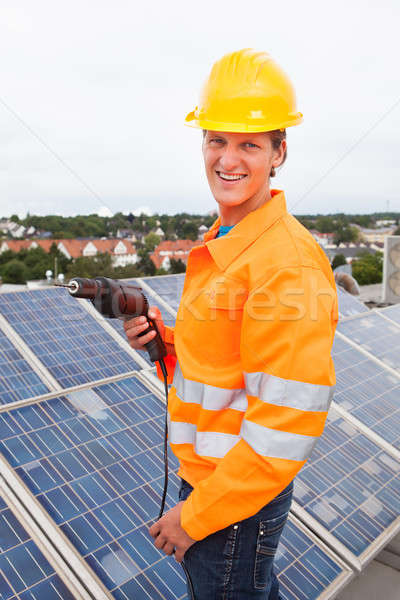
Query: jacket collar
pixel 225 249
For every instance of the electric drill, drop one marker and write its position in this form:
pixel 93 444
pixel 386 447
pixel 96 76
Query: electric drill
pixel 117 300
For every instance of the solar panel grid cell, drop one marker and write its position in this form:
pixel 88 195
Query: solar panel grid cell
pixel 169 288
pixel 305 570
pixel 25 574
pixel 64 336
pixel 17 378
pixel 367 391
pixel 348 304
pixel 375 334
pixel 393 313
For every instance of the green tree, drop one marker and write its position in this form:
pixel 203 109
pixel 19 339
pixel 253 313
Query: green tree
pixel 151 241
pixel 325 225
pixel 190 231
pixel 368 268
pixel 6 256
pixel 97 266
pixel 338 260
pixel 177 266
pixel 345 233
pixel 14 272
pixel 146 265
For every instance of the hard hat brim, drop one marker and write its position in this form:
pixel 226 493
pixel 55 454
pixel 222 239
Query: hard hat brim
pixel 191 121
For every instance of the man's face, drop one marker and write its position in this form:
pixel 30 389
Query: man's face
pixel 238 166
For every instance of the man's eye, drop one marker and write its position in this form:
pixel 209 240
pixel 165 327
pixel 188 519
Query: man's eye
pixel 250 145
pixel 216 140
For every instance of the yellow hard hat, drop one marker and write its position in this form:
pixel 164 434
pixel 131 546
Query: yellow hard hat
pixel 247 91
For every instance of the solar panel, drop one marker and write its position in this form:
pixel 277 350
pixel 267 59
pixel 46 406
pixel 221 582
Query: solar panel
pixel 168 287
pixel 306 568
pixel 375 334
pixel 93 459
pixel 71 343
pixel 367 390
pixel 18 380
pixel 349 304
pixel 25 573
pixel 391 312
pixel 350 487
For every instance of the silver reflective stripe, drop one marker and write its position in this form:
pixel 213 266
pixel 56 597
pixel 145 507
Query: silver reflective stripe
pixel 208 396
pixel 277 444
pixel 286 392
pixel 206 443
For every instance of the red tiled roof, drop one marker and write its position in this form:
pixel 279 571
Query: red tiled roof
pixel 177 249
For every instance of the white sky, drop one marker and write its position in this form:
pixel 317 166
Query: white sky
pixel 106 87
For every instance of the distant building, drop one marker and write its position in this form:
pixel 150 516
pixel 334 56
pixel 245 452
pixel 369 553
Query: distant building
pixel 385 222
pixel 176 249
pixel 159 232
pixel 122 252
pixel 323 239
pixel 350 250
pixel 11 228
pixel 377 235
pixel 202 229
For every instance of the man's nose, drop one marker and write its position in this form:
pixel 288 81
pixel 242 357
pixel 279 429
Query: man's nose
pixel 229 159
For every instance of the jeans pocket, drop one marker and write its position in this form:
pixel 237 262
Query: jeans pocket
pixel 269 533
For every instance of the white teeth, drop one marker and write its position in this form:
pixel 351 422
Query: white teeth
pixel 230 177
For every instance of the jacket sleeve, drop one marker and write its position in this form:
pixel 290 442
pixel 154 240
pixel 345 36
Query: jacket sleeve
pixel 170 359
pixel 286 337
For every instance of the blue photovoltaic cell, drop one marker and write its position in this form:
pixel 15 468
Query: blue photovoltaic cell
pixel 152 300
pixel 17 378
pixel 392 312
pixel 25 574
pixel 350 486
pixel 348 304
pixel 73 346
pixel 375 334
pixel 367 391
pixel 168 287
pixel 94 461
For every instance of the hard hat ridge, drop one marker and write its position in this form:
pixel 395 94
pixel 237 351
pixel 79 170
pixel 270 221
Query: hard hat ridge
pixel 246 91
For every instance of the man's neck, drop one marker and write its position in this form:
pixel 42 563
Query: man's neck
pixel 231 215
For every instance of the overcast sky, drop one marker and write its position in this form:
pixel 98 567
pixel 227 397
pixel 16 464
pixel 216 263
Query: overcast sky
pixel 93 96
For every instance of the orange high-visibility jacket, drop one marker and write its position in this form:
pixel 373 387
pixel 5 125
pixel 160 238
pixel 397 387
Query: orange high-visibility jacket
pixel 253 376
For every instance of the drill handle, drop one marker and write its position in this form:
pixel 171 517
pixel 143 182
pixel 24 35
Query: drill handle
pixel 156 347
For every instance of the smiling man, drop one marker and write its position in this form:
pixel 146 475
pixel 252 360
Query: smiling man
pixel 249 357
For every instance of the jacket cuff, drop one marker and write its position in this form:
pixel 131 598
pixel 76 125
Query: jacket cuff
pixel 170 359
pixel 191 523
pixel 169 335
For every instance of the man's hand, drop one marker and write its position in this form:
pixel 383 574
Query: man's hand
pixel 168 534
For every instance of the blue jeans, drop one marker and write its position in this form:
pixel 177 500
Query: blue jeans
pixel 236 563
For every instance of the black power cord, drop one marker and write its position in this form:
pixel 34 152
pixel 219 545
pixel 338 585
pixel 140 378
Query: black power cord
pixel 165 375
pixel 164 495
